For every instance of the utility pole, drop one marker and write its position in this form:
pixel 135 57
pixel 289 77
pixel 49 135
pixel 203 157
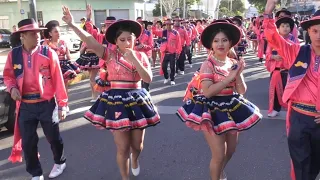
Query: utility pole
pixel 33 9
pixel 231 5
pixel 184 9
pixel 161 9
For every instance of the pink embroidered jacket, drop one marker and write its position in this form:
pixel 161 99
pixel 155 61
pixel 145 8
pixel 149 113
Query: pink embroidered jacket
pixel 308 90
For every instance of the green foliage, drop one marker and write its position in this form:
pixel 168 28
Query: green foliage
pixel 237 8
pixel 156 10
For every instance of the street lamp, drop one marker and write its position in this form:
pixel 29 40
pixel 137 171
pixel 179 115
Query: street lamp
pixel 33 10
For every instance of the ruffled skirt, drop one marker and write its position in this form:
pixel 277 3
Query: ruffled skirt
pixel 219 114
pixel 68 69
pixel 88 61
pixel 123 109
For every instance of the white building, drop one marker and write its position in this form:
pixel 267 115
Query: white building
pixel 251 12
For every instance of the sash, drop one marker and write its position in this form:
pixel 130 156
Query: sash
pixel 297 71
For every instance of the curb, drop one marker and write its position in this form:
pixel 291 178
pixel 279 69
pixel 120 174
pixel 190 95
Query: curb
pixel 81 76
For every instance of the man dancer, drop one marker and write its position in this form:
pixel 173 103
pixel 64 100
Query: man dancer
pixel 170 49
pixel 33 77
pixel 302 92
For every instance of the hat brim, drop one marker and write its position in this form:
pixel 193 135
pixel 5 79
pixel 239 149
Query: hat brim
pixel 278 13
pixel 207 33
pixel 31 29
pixel 285 20
pixel 308 23
pixel 134 26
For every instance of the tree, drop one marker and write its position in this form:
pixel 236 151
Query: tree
pixel 260 4
pixel 237 8
pixel 169 6
pixel 156 10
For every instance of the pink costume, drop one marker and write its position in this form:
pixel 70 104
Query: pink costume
pixel 41 78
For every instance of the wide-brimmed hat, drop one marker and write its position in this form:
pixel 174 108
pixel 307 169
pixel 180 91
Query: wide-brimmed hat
pixel 313 21
pixel 285 20
pixel 199 21
pixel 132 26
pixel 28 25
pixel 49 26
pixel 169 22
pixel 283 10
pixel 223 25
pixel 110 20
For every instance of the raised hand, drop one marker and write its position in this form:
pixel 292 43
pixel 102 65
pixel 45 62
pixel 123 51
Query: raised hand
pixel 67 16
pixel 271 4
pixel 242 65
pixel 89 11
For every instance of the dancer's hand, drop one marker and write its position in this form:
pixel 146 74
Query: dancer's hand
pixel 234 71
pixel 89 11
pixel 15 94
pixel 62 114
pixel 67 16
pixel 271 4
pixel 242 65
pixel 277 57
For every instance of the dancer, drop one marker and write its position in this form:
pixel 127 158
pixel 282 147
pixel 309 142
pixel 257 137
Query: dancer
pixel 33 77
pixel 52 35
pixel 126 109
pixel 184 38
pixel 219 109
pixel 145 44
pixel 199 28
pixel 170 48
pixel 89 61
pixel 275 66
pixel 302 94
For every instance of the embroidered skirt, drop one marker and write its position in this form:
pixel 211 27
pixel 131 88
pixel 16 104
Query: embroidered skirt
pixel 219 114
pixel 123 109
pixel 88 61
pixel 68 69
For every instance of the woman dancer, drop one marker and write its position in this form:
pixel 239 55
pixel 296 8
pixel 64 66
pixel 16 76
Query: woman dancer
pixel 52 35
pixel 219 109
pixel 89 61
pixel 126 108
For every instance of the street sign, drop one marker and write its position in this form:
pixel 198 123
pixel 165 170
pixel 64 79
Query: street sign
pixel 21 11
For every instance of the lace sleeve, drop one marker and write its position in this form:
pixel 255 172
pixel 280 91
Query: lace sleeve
pixel 207 71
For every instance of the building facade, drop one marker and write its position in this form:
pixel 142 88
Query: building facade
pixel 13 11
pixel 304 7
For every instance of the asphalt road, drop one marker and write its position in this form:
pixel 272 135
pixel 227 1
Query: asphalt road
pixel 172 151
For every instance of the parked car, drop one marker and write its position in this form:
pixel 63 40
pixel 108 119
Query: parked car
pixel 5 38
pixel 70 37
pixel 7 108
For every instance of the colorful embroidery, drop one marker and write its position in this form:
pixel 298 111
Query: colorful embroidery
pixel 316 65
pixel 17 66
pixel 301 64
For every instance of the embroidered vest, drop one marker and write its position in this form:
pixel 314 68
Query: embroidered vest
pixel 297 71
pixel 17 59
